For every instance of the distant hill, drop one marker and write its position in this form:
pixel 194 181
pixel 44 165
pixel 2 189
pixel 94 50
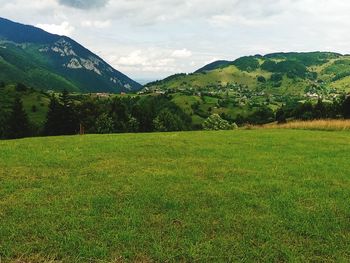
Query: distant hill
pixel 52 62
pixel 214 65
pixel 278 73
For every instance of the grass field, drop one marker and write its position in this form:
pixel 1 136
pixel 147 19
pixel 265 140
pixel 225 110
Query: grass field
pixel 247 195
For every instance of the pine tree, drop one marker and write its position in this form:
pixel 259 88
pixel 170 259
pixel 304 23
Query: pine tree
pixel 53 118
pixel 61 118
pixel 3 123
pixel 17 125
pixel 70 123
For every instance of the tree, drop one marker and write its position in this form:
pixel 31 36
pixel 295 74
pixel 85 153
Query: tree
pixel 20 87
pixel 61 118
pixel 53 117
pixel 346 108
pixel 215 122
pixel 167 121
pixel 17 125
pixel 89 110
pixel 34 108
pixel 69 119
pixel 304 111
pixel 276 77
pixel 133 124
pixel 104 124
pixel 261 79
pixel 119 115
pixel 320 110
pixel 281 116
pixel 263 115
pixel 3 123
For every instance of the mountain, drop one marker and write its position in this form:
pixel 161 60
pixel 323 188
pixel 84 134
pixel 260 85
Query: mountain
pixel 52 62
pixel 279 73
pixel 253 88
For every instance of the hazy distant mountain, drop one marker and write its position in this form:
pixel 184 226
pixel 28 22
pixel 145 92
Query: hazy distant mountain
pixel 52 62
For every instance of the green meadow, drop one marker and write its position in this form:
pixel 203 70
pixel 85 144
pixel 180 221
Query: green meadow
pixel 245 195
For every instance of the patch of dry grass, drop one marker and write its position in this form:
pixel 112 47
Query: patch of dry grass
pixel 327 125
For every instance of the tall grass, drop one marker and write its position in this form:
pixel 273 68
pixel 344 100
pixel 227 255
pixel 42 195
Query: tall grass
pixel 327 125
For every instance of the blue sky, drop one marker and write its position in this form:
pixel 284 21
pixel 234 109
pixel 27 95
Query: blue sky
pixel 151 39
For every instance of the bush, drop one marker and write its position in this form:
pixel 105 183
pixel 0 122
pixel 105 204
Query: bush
pixel 104 124
pixel 215 123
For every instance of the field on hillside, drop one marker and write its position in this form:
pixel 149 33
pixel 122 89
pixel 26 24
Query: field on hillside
pixel 246 195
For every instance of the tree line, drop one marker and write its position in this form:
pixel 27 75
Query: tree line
pixel 339 108
pixel 67 114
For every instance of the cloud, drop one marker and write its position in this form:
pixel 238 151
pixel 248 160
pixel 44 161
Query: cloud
pixel 84 4
pixel 96 23
pixel 150 60
pixel 63 29
pixel 181 53
pixel 147 37
pixel 135 58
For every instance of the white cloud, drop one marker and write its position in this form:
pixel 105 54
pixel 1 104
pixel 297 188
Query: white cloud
pixel 62 29
pixel 135 58
pixel 149 60
pixel 181 53
pixel 147 37
pixel 96 23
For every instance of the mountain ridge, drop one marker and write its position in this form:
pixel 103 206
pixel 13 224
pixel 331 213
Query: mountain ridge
pixel 39 56
pixel 271 71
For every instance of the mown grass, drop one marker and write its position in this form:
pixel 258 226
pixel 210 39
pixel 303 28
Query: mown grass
pixel 327 125
pixel 251 196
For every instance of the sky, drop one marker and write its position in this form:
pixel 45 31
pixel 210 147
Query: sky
pixel 152 39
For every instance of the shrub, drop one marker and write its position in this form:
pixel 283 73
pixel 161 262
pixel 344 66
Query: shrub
pixel 215 123
pixel 104 124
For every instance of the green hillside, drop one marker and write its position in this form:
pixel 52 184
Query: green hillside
pixel 35 103
pixel 240 87
pixel 248 196
pixel 23 64
pixel 280 73
pixel 51 62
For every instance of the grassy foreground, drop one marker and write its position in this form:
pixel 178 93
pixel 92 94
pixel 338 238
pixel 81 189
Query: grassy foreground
pixel 254 195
